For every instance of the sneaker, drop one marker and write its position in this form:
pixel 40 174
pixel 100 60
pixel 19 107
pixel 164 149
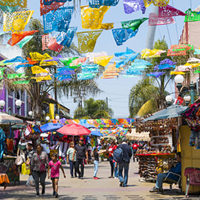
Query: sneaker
pixel 121 184
pixel 72 177
pixel 37 195
pixel 155 189
pixel 43 191
pixel 115 178
pixel 110 177
pixel 56 195
pixel 95 178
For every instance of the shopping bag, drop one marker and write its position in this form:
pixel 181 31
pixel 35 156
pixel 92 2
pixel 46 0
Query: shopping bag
pixel 30 182
pixel 25 170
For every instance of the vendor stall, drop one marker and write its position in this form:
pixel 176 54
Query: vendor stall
pixel 143 136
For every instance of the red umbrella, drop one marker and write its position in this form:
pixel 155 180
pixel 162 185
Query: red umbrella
pixel 74 129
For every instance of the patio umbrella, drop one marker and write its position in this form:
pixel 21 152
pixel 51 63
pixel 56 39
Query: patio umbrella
pixel 96 133
pixel 9 119
pixel 50 127
pixel 170 112
pixel 74 129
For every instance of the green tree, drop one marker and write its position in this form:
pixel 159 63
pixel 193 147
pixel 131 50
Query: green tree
pixel 93 110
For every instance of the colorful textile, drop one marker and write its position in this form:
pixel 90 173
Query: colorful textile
pixel 133 24
pixel 155 20
pixel 35 56
pixel 24 41
pixel 99 3
pixel 17 37
pixel 58 20
pixel 192 16
pixel 16 59
pixel 45 9
pixel 8 8
pixel 159 3
pixel 87 40
pixel 155 74
pixel 49 2
pixel 13 3
pixel 92 17
pixel 122 35
pixel 167 61
pixel 102 60
pixel 38 70
pixel 169 11
pixel 134 5
pixel 19 75
pixel 21 82
pixel 16 21
pixel 2 145
pixel 42 78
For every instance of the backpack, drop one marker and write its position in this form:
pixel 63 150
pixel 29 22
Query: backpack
pixel 118 155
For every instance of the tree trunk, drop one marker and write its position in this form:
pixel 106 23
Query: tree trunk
pixel 37 109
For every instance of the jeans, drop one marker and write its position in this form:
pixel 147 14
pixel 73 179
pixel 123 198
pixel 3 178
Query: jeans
pixel 96 165
pixel 116 169
pixel 159 180
pixel 112 166
pixel 72 168
pixel 134 151
pixel 123 165
pixel 79 162
pixel 39 175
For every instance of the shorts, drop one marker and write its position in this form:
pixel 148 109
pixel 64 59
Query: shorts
pixel 53 178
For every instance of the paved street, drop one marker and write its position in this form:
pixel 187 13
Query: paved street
pixel 89 189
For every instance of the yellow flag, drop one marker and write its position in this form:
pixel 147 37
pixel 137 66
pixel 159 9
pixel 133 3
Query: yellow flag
pixel 42 78
pixel 102 60
pixel 38 70
pixel 13 3
pixel 16 21
pixel 92 17
pixel 45 63
pixel 148 53
pixel 107 26
pixel 35 56
pixel 192 65
pixel 159 3
pixel 87 40
pixel 176 73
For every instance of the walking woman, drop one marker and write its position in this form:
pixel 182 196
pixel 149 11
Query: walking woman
pixel 111 150
pixel 39 162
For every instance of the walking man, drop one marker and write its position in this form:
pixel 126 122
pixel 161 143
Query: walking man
pixel 124 164
pixel 80 152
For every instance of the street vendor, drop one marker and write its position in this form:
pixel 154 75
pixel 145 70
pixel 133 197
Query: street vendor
pixel 161 176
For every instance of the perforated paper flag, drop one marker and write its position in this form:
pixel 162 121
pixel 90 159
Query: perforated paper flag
pixel 87 40
pixel 79 60
pixel 197 51
pixel 155 74
pixel 22 65
pixel 54 46
pixel 45 41
pixel 98 3
pixel 154 20
pixel 167 61
pixel 2 63
pixel 102 60
pixel 159 3
pixel 38 70
pixel 128 51
pixel 1 71
pixel 107 26
pixel 8 8
pixel 42 78
pixel 148 53
pixel 97 54
pixel 176 73
pixel 13 3
pixel 169 11
pixel 35 56
pixel 134 5
pixel 19 75
pixel 58 20
pixel 133 24
pixel 92 17
pixel 21 82
pixel 49 2
pixel 192 16
pixel 68 61
pixel 16 21
pixel 24 41
pixel 43 63
pixel 122 35
pixel 16 59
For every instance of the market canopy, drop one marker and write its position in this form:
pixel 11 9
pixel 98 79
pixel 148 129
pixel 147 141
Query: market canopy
pixel 96 133
pixel 170 112
pixel 7 119
pixel 50 127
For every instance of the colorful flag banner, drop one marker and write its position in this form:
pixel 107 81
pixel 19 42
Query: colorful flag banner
pixel 8 8
pixel 22 65
pixel 45 9
pixel 164 66
pixel 87 40
pixel 17 37
pixel 49 2
pixel 30 61
pixel 176 73
pixel 133 6
pixel 2 63
pixel 140 62
pixel 128 51
pixel 38 70
pixel 197 51
pixel 85 76
pixel 43 63
pixel 167 61
pixel 155 74
pixel 54 46
pixel 1 71
pixel 57 58
pixel 133 72
pixel 42 78
pixel 154 20
pixel 169 11
pixel 19 75
pixel 13 3
pixel 92 17
pixel 99 3
pixel 68 61
pixel 21 82
pixel 122 35
pixel 170 52
pixel 103 60
pixel 92 55
pixel 16 59
pixel 159 3
pixel 148 53
pixel 129 76
pixel 79 60
pixel 24 41
pixel 16 21
pixel 58 20
pixel 133 24
pixel 63 78
pixel 107 26
pixel 131 57
pixel 35 56
pixel 45 41
pixel 192 16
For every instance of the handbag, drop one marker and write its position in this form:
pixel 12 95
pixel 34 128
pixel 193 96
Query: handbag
pixel 42 166
pixel 19 160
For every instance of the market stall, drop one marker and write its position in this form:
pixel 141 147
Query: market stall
pixel 143 136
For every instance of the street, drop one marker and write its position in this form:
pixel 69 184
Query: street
pixel 89 189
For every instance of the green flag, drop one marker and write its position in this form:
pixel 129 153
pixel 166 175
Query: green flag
pixel 133 24
pixel 24 41
pixel 68 61
pixel 191 16
pixel 21 82
pixel 19 75
pixel 1 71
pixel 2 63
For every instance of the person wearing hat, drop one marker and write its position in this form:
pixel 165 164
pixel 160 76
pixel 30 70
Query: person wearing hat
pixel 80 152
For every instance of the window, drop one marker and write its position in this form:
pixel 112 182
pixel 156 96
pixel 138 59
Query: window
pixel 17 95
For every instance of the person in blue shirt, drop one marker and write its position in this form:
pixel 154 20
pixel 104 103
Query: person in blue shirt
pixel 161 176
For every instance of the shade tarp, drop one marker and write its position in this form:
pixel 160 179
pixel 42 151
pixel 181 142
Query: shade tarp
pixel 7 119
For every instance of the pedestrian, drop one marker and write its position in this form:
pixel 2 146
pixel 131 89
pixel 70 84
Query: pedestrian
pixel 28 155
pixel 134 148
pixel 38 163
pixel 112 162
pixel 96 162
pixel 124 164
pixel 54 166
pixel 70 152
pixel 80 152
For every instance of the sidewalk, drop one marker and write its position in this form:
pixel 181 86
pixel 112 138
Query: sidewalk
pixel 89 189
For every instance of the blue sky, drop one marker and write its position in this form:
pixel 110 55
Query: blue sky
pixel 117 90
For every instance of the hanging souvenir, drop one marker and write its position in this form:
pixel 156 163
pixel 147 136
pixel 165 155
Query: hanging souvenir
pixel 38 70
pixel 99 3
pixel 191 16
pixel 169 11
pixel 103 60
pixel 17 37
pixel 35 56
pixel 13 3
pixel 58 20
pixel 122 35
pixel 159 3
pixel 42 78
pixel 155 20
pixel 155 74
pixel 92 17
pixel 133 24
pixel 49 2
pixel 134 5
pixel 16 21
pixel 19 75
pixel 9 9
pixel 87 40
pixel 24 41
pixel 21 82
pixel 16 59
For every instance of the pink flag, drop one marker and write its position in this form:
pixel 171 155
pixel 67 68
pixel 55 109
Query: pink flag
pixel 169 11
pixel 45 41
pixel 54 46
pixel 154 20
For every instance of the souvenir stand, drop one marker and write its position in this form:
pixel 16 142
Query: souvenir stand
pixel 160 151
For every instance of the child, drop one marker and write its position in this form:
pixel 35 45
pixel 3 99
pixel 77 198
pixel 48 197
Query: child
pixel 70 152
pixel 54 165
pixel 96 162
